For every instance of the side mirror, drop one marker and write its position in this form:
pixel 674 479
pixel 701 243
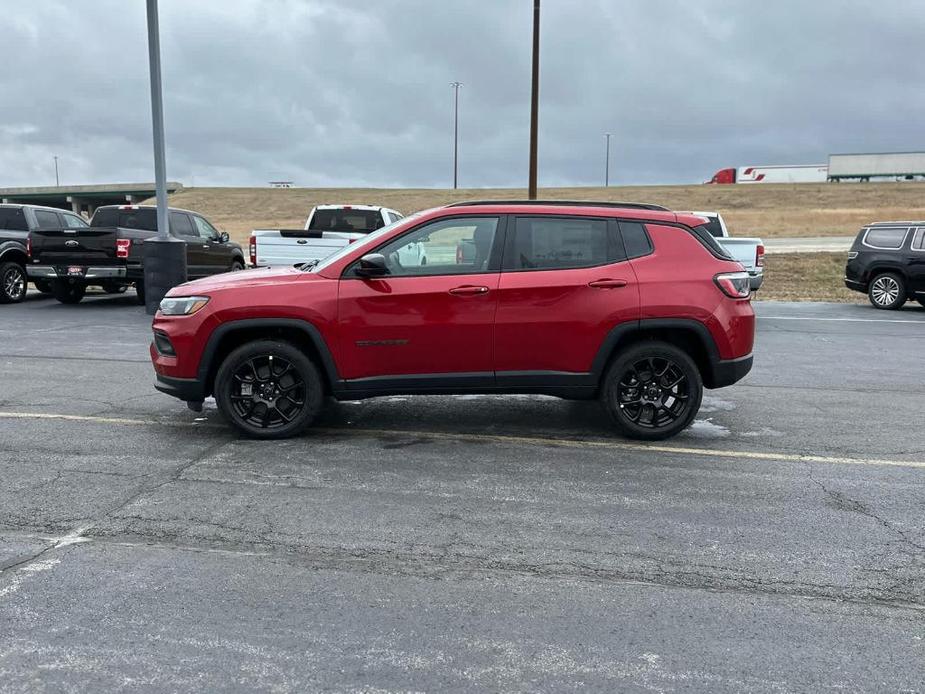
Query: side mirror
pixel 372 265
pixel 223 237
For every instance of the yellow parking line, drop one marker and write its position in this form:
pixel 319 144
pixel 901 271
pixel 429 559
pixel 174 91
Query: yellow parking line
pixel 509 439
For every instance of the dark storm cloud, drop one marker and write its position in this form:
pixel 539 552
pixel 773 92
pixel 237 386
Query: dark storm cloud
pixel 346 92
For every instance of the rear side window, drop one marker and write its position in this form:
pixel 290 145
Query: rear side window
pixel 13 218
pixel 558 243
pixel 635 239
pixel 885 237
pixel 918 243
pixel 181 225
pixel 348 220
pixel 46 219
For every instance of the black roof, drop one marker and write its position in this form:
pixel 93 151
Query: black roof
pixel 566 203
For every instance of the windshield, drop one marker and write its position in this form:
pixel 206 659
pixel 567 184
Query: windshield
pixel 346 219
pixel 367 242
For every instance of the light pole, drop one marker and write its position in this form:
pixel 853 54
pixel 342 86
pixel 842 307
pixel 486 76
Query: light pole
pixel 607 161
pixel 164 255
pixel 57 183
pixel 534 98
pixel 456 86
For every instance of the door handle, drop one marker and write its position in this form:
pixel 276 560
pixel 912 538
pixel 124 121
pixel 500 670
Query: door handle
pixel 468 290
pixel 607 284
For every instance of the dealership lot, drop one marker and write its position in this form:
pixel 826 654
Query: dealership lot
pixel 456 542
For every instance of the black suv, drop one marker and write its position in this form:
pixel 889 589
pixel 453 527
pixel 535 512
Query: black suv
pixel 887 262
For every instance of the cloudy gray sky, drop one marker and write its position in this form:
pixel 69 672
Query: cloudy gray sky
pixel 357 92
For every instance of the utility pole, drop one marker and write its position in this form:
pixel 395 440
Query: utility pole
pixel 164 255
pixel 456 86
pixel 607 162
pixel 57 183
pixel 534 98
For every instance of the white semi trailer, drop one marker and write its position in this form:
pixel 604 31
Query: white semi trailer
pixel 864 167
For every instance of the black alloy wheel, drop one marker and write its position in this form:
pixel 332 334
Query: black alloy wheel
pixel 887 291
pixel 13 282
pixel 652 391
pixel 269 389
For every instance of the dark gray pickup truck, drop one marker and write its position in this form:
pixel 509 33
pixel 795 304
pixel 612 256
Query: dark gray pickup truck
pixel 108 253
pixel 16 221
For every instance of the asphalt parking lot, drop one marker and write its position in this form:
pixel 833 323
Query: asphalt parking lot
pixel 450 543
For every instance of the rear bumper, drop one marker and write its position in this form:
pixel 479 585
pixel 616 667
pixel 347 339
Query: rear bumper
pixel 725 372
pixel 856 285
pixel 51 272
pixel 188 389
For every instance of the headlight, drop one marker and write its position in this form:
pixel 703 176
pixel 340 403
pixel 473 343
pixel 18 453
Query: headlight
pixel 182 305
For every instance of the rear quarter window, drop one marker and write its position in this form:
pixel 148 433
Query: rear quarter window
pixel 636 239
pixel 705 237
pixel 889 238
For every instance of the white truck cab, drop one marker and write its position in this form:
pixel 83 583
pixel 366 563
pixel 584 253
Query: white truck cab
pixel 749 252
pixel 328 228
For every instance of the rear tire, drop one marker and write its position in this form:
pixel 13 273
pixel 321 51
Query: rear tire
pixel 652 391
pixel 68 293
pixel 269 389
pixel 13 283
pixel 887 291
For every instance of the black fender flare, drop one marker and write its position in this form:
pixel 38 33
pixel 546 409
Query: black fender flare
pixel 622 332
pixel 225 329
pixel 11 246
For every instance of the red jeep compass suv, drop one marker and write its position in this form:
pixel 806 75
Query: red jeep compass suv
pixel 628 303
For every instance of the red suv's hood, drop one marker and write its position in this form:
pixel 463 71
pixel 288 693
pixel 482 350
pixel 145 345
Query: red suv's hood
pixel 241 280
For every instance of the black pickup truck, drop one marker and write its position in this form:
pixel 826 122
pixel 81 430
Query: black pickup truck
pixel 108 253
pixel 16 221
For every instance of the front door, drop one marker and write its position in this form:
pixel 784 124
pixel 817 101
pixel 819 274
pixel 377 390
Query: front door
pixel 216 256
pixel 565 284
pixel 181 226
pixel 429 322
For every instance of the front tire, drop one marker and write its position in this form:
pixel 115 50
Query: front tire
pixel 13 283
pixel 237 266
pixel 114 288
pixel 887 291
pixel 652 391
pixel 269 389
pixel 140 292
pixel 68 293
pixel 44 286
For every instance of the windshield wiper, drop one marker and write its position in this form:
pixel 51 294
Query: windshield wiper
pixel 305 267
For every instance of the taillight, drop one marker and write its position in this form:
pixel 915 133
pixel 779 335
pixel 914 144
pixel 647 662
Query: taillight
pixel 735 285
pixel 759 256
pixel 29 246
pixel 252 249
pixel 123 246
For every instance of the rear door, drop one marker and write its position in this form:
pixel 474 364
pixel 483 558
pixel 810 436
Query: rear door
pixel 182 226
pixel 917 264
pixel 565 283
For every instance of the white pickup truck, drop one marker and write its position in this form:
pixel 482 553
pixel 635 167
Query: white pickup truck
pixel 328 228
pixel 749 252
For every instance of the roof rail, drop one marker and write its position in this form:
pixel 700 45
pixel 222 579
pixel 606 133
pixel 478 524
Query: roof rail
pixel 569 203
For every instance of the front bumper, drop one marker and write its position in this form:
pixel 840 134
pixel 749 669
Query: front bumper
pixel 51 272
pixel 725 372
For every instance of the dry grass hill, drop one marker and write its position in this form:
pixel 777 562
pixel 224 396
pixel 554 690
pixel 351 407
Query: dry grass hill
pixel 825 209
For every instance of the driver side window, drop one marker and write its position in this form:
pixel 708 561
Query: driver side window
pixel 458 246
pixel 206 231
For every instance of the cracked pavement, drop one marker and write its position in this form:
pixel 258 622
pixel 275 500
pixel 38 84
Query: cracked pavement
pixel 445 543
